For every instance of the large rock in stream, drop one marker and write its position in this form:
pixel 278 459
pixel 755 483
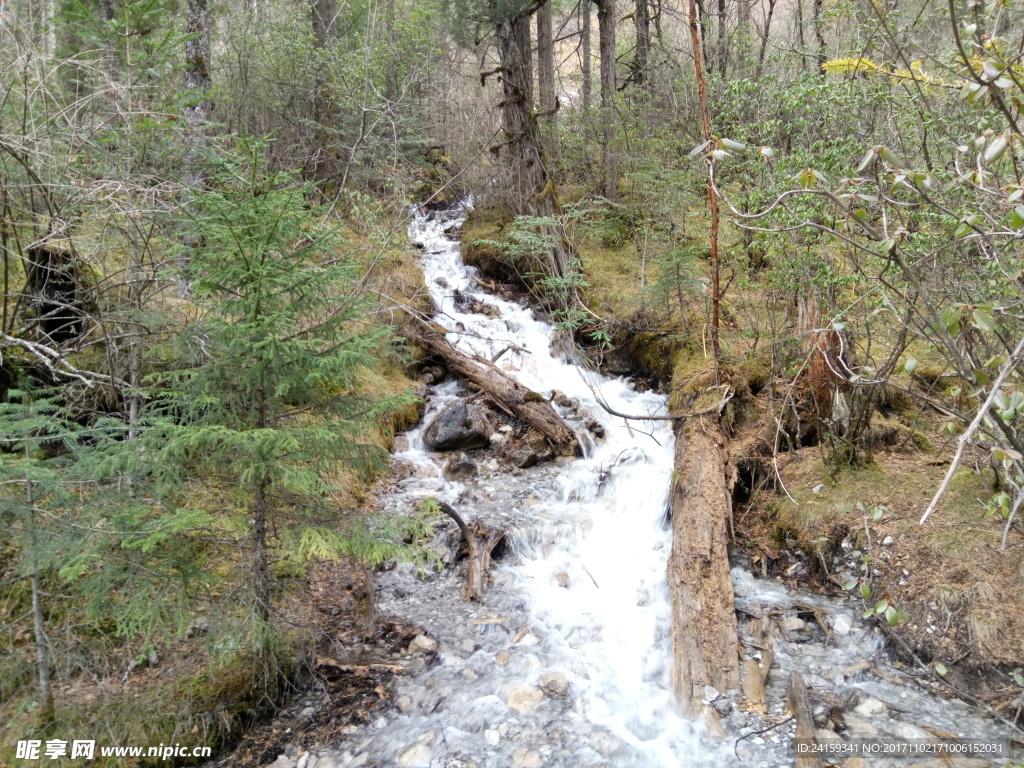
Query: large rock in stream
pixel 460 426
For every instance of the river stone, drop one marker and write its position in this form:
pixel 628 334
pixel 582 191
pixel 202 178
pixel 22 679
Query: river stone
pixel 870 708
pixel 854 762
pixel 555 685
pixel 525 698
pixel 604 743
pixel 843 624
pixel 492 737
pixel 502 658
pixel 417 756
pixel 859 729
pixel 792 623
pixel 422 644
pixel 460 469
pixel 906 731
pixel 405 704
pixel 525 758
pixel 458 427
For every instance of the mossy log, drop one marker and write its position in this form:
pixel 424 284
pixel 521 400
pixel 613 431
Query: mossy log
pixel 501 388
pixel 704 632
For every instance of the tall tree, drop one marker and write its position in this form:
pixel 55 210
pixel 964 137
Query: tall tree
pixel 197 112
pixel 606 31
pixel 324 19
pixel 546 59
pixel 642 60
pixel 722 53
pixel 585 53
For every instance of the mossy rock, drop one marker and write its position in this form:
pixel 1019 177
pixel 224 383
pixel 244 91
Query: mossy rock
pixel 489 224
pixel 654 352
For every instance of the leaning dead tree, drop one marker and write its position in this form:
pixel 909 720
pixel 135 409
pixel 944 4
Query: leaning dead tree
pixel 480 548
pixel 500 388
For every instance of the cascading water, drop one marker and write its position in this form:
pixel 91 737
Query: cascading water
pixel 582 607
pixel 591 544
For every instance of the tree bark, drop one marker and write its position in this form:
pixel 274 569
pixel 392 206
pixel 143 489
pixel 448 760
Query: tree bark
pixel 391 76
pixel 46 713
pixel 704 631
pixel 260 567
pixel 705 114
pixel 324 17
pixel 532 183
pixel 546 59
pixel 767 32
pixel 642 60
pixel 479 560
pixel 586 54
pixel 819 35
pixel 800 709
pixel 506 392
pixel 197 114
pixel 723 44
pixel 609 162
pixel 801 42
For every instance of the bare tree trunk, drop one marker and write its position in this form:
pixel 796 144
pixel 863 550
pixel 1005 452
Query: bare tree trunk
pixel 546 59
pixel 260 567
pixel 606 27
pixel 704 631
pixel 391 77
pixel 819 35
pixel 586 54
pixel 723 44
pixel 767 32
pixel 642 61
pixel 46 714
pixel 197 113
pixel 324 16
pixel 705 114
pixel 801 41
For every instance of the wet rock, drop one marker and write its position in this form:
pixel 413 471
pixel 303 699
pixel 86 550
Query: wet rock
pixel 792 623
pixel 283 762
pixel 906 731
pixel 434 374
pixel 562 399
pixel 492 737
pixel 460 469
pixel 525 698
pixel 459 426
pixel 604 743
pixel 854 762
pixel 502 658
pixel 870 708
pixel 842 624
pixel 710 693
pixel 401 443
pixel 405 704
pixel 562 579
pixel 483 308
pixel 596 428
pixel 555 685
pixel 422 644
pixel 498 440
pixel 859 729
pixel 825 736
pixel 953 762
pixel 525 758
pixel 417 756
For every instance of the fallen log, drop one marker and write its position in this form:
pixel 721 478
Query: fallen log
pixel 807 755
pixel 530 407
pixel 479 560
pixel 704 632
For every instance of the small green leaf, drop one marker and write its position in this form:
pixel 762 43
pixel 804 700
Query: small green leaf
pixel 940 669
pixel 891 616
pixel 983 320
pixel 865 590
pixel 995 149
pixel 868 613
pixel 1018 679
pixel 736 146
pixel 910 365
pixel 879 511
pixel 880 606
pixel 850 584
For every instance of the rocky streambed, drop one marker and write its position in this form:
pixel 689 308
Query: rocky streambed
pixel 567 660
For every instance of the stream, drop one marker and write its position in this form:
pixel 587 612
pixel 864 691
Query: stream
pixel 567 660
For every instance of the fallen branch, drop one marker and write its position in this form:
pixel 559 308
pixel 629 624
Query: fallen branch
pixel 479 560
pixel 716 408
pixel 800 708
pixel 501 388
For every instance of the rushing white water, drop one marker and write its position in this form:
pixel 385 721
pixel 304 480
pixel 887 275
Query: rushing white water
pixel 591 572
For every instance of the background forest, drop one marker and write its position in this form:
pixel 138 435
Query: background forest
pixel 205 276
